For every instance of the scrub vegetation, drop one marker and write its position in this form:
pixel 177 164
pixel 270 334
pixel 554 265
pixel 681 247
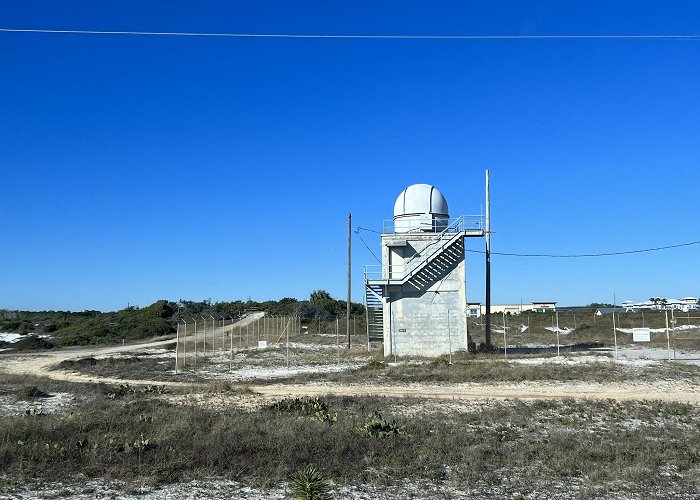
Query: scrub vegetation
pixel 150 436
pixel 590 448
pixel 66 328
pixel 484 369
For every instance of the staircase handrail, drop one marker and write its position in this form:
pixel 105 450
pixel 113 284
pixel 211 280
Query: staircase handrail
pixel 381 271
pixel 453 227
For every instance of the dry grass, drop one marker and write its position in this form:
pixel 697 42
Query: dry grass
pixel 599 445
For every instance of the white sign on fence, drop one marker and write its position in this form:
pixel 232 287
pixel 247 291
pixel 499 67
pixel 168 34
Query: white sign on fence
pixel 262 344
pixel 641 335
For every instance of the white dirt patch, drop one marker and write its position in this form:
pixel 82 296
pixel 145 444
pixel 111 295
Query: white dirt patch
pixel 57 402
pixel 661 330
pixel 583 359
pixel 299 345
pixel 215 489
pixel 562 331
pixel 10 337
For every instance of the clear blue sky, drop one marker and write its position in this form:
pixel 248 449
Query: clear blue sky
pixel 139 168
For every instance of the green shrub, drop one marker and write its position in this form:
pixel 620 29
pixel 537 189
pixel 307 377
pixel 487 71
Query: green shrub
pixel 307 406
pixel 309 484
pixel 378 427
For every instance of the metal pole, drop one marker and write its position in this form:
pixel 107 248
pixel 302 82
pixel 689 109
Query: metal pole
pixel 393 333
pixel 505 342
pixel 184 347
pixel 467 331
pixel 195 343
pixel 614 333
pixel 668 337
pixel 347 312
pixel 337 339
pixel 223 334
pixel 204 353
pixel 488 265
pixel 213 336
pixel 369 345
pixel 557 333
pixel 230 359
pixel 288 347
pixel 449 335
pixel 177 344
pixel 205 337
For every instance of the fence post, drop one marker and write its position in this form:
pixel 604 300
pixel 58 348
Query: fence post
pixel 177 344
pixel 505 340
pixel 337 339
pixel 449 335
pixel 184 347
pixel 614 333
pixel 195 344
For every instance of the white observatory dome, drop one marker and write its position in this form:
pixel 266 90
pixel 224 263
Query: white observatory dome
pixel 420 208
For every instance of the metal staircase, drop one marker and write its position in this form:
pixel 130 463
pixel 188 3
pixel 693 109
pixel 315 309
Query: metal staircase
pixel 433 262
pixel 374 309
pixel 437 263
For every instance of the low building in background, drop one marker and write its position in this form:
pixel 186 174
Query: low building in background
pixel 477 309
pixel 661 304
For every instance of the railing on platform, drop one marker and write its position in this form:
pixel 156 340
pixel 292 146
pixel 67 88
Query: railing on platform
pixel 434 225
pixel 456 225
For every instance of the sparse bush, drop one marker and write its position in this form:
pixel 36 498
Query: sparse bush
pixel 374 365
pixel 32 342
pixel 31 391
pixel 378 427
pixel 306 406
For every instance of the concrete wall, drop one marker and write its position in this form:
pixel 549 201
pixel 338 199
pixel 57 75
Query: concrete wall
pixel 416 320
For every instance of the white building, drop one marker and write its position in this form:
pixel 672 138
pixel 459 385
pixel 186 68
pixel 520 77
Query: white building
pixel 660 304
pixel 416 299
pixel 477 309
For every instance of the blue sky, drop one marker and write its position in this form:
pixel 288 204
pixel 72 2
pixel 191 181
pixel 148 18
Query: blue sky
pixel 139 168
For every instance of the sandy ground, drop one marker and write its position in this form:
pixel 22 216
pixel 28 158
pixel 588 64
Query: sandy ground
pixel 260 366
pixel 665 390
pixel 643 390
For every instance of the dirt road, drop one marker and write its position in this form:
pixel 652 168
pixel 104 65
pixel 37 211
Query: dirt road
pixel 653 390
pixel 40 364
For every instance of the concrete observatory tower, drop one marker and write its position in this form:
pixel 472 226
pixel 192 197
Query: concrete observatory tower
pixel 416 300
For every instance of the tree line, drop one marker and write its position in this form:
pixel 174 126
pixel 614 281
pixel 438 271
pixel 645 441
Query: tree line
pixel 63 328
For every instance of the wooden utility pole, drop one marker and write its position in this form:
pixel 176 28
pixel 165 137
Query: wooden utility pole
pixel 347 315
pixel 488 264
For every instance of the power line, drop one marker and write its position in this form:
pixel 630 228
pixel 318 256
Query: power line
pixel 560 256
pixel 354 37
pixel 583 255
pixel 357 232
pixel 358 228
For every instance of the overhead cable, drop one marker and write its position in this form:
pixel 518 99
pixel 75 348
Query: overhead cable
pixel 568 256
pixel 584 255
pixel 357 232
pixel 355 37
